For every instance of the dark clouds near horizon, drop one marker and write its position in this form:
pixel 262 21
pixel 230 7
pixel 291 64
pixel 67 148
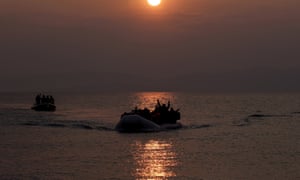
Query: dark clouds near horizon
pixel 198 45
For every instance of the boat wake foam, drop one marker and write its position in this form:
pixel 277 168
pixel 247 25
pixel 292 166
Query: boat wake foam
pixel 136 123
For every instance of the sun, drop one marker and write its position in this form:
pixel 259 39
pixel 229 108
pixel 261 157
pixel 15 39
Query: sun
pixel 154 2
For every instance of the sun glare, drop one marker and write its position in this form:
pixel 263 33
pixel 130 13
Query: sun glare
pixel 154 2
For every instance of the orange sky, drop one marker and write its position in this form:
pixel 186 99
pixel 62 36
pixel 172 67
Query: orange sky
pixel 184 37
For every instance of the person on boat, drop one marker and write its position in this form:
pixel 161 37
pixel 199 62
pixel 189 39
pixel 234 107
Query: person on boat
pixel 135 110
pixel 38 99
pixel 164 108
pixel 43 99
pixel 48 99
pixel 174 115
pixel 158 105
pixel 51 100
pixel 146 113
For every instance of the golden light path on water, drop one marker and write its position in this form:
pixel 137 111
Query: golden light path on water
pixel 154 160
pixel 149 99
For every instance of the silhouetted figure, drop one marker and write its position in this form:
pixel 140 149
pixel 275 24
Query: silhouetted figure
pixel 43 99
pixel 47 99
pixel 38 99
pixel 158 104
pixel 51 100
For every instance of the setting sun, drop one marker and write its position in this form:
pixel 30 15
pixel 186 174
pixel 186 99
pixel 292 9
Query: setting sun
pixel 154 2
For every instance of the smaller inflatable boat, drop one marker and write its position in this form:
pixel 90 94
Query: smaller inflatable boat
pixel 44 103
pixel 44 107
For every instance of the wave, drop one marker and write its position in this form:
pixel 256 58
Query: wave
pixel 251 118
pixel 197 126
pixel 69 124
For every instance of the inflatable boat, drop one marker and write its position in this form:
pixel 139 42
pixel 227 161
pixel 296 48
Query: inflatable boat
pixel 135 123
pixel 44 107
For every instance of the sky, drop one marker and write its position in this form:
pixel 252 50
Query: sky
pixel 127 45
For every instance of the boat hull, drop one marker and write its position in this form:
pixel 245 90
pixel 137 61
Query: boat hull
pixel 136 123
pixel 44 107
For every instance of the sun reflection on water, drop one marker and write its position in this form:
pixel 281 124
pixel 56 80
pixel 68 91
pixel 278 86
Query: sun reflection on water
pixel 149 99
pixel 154 160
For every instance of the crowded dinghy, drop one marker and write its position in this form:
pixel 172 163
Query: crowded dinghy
pixel 44 103
pixel 163 117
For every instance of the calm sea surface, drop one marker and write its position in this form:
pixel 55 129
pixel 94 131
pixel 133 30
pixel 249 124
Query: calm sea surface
pixel 225 136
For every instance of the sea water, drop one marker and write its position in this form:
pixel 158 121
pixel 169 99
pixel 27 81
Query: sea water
pixel 224 136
